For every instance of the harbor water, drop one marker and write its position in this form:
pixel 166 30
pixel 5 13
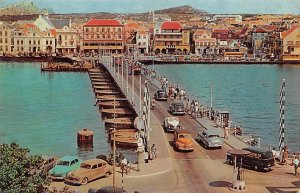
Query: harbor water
pixel 44 111
pixel 249 92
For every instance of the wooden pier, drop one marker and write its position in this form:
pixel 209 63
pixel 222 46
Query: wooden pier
pixel 116 113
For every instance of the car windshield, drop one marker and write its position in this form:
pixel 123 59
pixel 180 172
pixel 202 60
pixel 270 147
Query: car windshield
pixel 267 155
pixel 63 163
pixel 178 106
pixel 185 135
pixel 87 166
pixel 213 136
pixel 161 93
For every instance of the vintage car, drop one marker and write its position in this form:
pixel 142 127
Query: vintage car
pixel 161 95
pixel 107 189
pixel 210 138
pixel 171 123
pixel 49 163
pixel 89 170
pixel 258 159
pixel 177 108
pixel 63 166
pixel 183 140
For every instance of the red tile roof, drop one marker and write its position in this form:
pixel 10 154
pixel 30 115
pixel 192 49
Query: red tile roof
pixel 103 22
pixel 30 25
pixel 53 32
pixel 260 30
pixel 171 25
pixel 286 33
pixel 270 27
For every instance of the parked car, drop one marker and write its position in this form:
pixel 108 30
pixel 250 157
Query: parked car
pixel 258 159
pixel 177 108
pixel 161 95
pixel 183 140
pixel 89 170
pixel 107 189
pixel 63 166
pixel 210 138
pixel 171 123
pixel 49 163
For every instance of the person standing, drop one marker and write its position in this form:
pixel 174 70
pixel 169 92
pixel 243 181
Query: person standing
pixel 296 165
pixel 153 152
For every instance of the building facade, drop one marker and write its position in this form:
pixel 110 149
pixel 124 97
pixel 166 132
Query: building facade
pixel 6 39
pixel 67 41
pixel 142 41
pixel 204 43
pixel 172 38
pixel 291 44
pixel 104 35
pixel 30 40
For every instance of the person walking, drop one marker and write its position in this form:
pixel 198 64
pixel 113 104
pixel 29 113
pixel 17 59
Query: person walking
pixel 153 152
pixel 296 165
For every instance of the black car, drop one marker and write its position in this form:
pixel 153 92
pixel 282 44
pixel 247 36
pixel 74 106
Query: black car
pixel 258 159
pixel 161 95
pixel 177 108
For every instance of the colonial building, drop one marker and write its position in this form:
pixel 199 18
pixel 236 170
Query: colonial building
pixel 226 39
pixel 67 38
pixel 142 41
pixel 204 43
pixel 291 44
pixel 106 35
pixel 6 38
pixel 172 38
pixel 31 40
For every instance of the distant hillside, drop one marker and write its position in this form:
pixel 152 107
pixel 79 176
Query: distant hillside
pixel 185 9
pixel 22 8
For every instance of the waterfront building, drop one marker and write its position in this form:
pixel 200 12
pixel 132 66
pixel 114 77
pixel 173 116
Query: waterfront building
pixel 172 38
pixel 291 44
pixel 204 43
pixel 29 39
pixel 142 41
pixel 226 40
pixel 43 23
pixel 6 38
pixel 67 38
pixel 106 35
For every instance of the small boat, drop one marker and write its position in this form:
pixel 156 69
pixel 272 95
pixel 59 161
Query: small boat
pixel 119 123
pixel 125 137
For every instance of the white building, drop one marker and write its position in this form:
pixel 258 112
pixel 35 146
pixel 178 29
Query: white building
pixel 142 41
pixel 237 18
pixel 29 39
pixel 6 38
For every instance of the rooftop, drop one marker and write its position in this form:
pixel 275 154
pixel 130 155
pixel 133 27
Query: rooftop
pixel 103 22
pixel 171 25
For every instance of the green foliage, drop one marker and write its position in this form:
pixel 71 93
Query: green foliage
pixel 21 172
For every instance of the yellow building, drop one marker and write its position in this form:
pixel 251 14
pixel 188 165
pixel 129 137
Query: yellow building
pixel 291 44
pixel 106 35
pixel 6 38
pixel 172 38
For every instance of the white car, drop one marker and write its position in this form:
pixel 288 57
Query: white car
pixel 171 123
pixel 210 138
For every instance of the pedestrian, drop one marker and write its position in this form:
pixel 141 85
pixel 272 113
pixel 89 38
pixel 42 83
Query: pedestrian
pixel 274 155
pixel 153 152
pixel 296 165
pixel 226 132
pixel 285 155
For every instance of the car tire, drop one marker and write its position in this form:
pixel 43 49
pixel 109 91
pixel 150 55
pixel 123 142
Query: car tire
pixel 107 174
pixel 84 181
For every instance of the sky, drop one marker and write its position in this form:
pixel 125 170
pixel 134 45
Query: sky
pixel 137 6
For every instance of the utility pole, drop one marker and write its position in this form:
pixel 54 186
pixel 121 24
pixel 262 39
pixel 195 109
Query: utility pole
pixel 114 149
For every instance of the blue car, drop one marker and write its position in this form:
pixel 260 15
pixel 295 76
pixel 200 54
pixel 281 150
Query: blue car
pixel 63 166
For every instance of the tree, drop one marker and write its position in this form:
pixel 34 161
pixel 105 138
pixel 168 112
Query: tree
pixel 21 172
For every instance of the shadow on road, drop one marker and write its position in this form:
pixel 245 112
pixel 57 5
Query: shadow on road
pixel 219 184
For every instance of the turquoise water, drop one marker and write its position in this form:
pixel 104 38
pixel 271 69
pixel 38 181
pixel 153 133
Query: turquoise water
pixel 249 92
pixel 44 111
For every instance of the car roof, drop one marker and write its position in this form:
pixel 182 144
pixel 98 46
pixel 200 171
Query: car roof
pixel 94 161
pixel 160 91
pixel 213 132
pixel 256 150
pixel 179 131
pixel 176 103
pixel 68 158
pixel 171 118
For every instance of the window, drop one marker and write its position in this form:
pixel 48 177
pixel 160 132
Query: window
pixel 29 41
pixel 50 41
pixel 0 48
pixel 34 42
pixel 0 40
pixel 0 33
pixel 73 162
pixel 297 42
pixel 47 42
pixel 39 42
pixel 289 42
pixel 94 166
pixel 5 33
pixel 100 165
pixel 6 40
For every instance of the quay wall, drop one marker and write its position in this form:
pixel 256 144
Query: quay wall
pixel 149 62
pixel 35 59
